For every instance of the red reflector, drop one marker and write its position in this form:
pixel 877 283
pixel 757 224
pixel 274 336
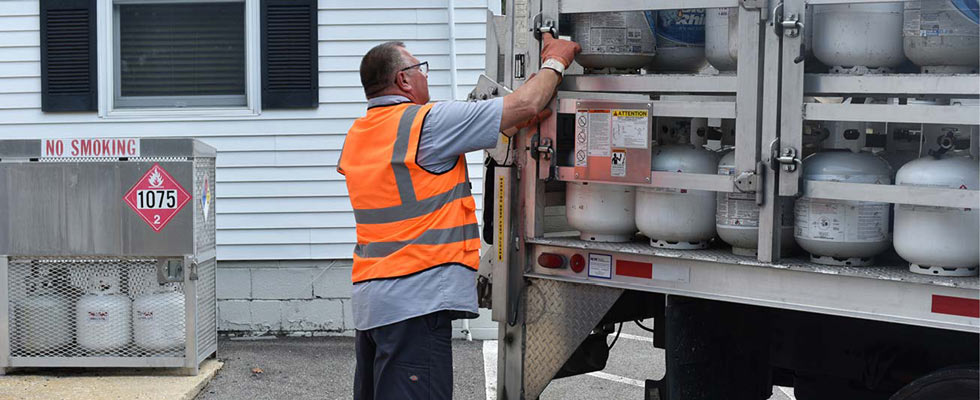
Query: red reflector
pixel 956 306
pixel 550 260
pixel 634 269
pixel 578 263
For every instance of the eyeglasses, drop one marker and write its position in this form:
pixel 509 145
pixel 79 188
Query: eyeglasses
pixel 422 66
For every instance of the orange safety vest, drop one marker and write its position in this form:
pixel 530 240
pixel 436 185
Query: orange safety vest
pixel 408 219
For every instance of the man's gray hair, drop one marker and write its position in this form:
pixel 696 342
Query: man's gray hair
pixel 379 66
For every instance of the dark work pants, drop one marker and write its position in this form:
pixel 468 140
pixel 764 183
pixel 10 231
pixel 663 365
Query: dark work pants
pixel 408 360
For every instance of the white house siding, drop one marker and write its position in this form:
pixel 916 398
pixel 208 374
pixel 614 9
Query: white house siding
pixel 285 228
pixel 278 194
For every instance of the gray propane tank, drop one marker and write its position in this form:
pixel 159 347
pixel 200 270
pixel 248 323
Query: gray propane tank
pixel 858 38
pixel 843 232
pixel 601 212
pixel 613 40
pixel 737 217
pixel 680 39
pixel 941 36
pixel 678 218
pixel 939 240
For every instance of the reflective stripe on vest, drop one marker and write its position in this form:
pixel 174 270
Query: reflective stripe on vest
pixel 431 236
pixel 415 234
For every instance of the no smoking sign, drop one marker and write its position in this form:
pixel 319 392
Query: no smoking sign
pixel 157 197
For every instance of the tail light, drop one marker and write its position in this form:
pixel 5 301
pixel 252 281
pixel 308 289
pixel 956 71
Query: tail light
pixel 551 260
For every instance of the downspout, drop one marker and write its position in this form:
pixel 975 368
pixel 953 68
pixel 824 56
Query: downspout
pixel 452 91
pixel 452 49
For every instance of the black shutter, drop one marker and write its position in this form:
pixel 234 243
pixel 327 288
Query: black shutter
pixel 289 54
pixel 68 60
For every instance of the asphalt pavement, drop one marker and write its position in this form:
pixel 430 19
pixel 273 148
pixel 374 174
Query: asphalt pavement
pixel 323 368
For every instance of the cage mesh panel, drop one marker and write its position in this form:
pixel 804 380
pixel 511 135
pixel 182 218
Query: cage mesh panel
pixel 204 234
pixel 53 312
pixel 206 316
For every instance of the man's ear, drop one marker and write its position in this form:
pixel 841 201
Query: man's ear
pixel 401 79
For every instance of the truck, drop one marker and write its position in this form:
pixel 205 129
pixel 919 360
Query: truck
pixel 771 216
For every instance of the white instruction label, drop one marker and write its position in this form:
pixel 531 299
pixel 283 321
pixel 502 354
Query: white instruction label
pixel 617 163
pixel 737 209
pixel 599 131
pixel 629 128
pixel 600 266
pixel 836 220
pixel 582 138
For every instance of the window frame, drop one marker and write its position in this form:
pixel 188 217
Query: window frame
pixel 198 106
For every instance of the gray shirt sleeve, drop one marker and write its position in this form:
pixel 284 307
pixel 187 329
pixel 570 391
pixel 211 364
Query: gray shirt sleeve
pixel 455 127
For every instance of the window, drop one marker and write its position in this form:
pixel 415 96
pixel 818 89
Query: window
pixel 179 54
pixel 178 58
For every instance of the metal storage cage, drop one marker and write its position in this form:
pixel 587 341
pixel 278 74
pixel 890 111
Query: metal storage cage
pixel 107 253
pixel 546 310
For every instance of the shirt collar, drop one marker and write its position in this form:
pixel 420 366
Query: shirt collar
pixel 387 100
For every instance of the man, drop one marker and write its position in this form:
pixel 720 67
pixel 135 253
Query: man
pixel 417 235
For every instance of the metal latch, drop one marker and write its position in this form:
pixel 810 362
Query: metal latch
pixel 192 274
pixel 170 270
pixel 788 157
pixel 542 26
pixel 791 26
pixel 545 150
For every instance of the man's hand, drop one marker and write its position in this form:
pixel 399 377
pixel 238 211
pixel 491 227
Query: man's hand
pixel 532 97
pixel 532 123
pixel 561 50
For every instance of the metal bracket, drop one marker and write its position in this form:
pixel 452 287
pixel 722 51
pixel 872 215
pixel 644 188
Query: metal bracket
pixel 542 25
pixel 788 157
pixel 792 26
pixel 170 270
pixel 747 182
pixel 545 150
pixel 755 5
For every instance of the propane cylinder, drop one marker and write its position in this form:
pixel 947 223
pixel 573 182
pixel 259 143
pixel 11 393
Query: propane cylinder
pixel 45 316
pixel 942 36
pixel 601 212
pixel 858 38
pixel 103 321
pixel 158 321
pixel 721 38
pixel 939 240
pixel 680 39
pixel 615 40
pixel 737 217
pixel 678 218
pixel 841 232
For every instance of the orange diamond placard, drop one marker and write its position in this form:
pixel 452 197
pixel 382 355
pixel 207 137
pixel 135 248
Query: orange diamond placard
pixel 157 197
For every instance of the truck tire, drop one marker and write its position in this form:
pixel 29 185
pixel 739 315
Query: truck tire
pixel 955 383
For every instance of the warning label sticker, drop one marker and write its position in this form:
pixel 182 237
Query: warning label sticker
pixel 599 131
pixel 206 198
pixel 582 138
pixel 629 128
pixel 157 197
pixel 600 265
pixel 617 164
